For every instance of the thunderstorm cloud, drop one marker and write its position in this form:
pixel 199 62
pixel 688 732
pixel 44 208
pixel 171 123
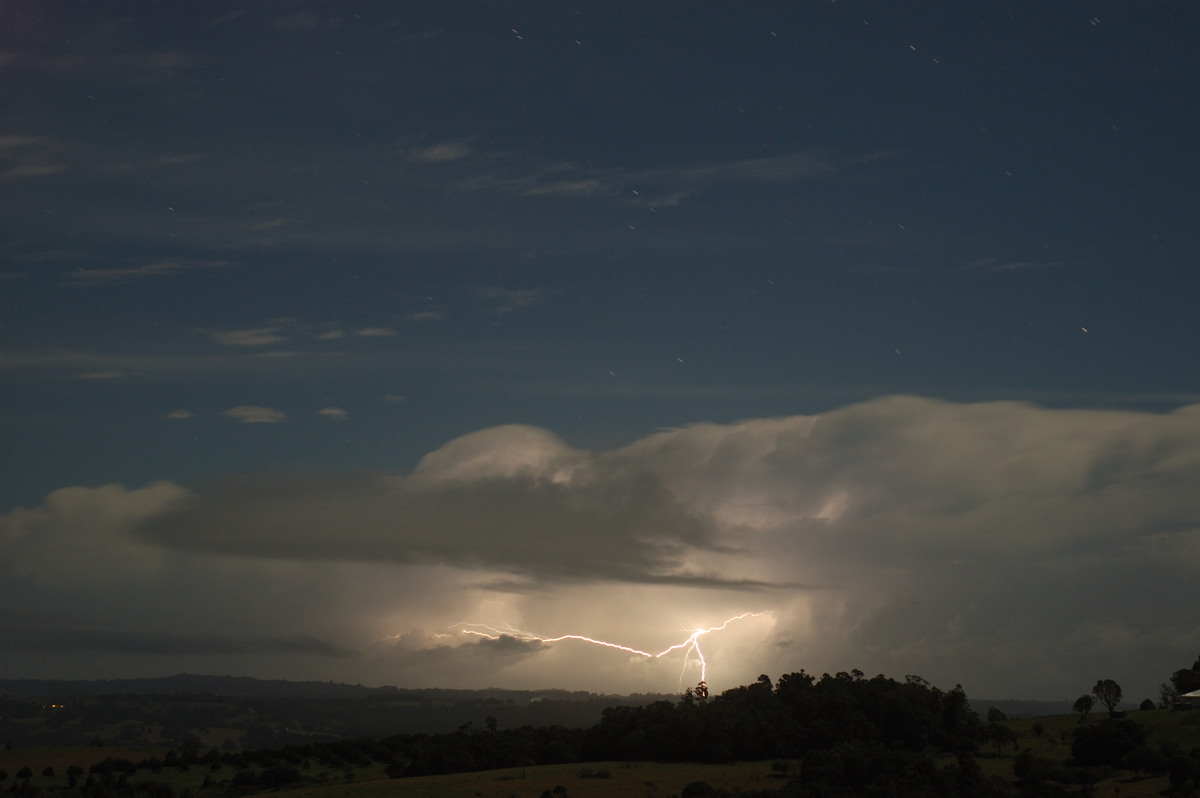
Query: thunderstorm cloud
pixel 963 542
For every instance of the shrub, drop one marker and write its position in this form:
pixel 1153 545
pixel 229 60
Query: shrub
pixel 1107 743
pixel 696 789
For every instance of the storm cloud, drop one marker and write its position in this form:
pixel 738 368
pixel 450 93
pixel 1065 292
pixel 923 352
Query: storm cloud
pixel 1016 549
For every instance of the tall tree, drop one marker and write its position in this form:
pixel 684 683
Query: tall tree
pixel 1187 680
pixel 1108 693
pixel 1168 696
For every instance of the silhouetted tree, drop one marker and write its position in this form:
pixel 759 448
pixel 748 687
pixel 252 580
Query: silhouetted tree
pixel 1083 705
pixel 1187 680
pixel 996 732
pixel 1109 694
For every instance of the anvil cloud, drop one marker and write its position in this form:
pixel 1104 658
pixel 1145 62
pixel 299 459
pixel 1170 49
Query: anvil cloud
pixel 1014 548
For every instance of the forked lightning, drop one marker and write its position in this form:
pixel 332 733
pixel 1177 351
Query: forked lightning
pixel 689 645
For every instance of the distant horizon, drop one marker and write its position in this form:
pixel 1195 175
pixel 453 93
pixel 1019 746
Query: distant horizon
pixel 1064 702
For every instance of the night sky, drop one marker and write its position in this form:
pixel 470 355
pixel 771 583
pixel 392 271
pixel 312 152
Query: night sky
pixel 330 328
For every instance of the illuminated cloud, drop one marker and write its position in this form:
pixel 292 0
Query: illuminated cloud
pixel 180 414
pixel 88 586
pixel 254 414
pixel 963 542
pixel 333 413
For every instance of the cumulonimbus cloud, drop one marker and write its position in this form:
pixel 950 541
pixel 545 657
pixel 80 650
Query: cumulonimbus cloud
pixel 513 498
pixel 888 480
pixel 999 542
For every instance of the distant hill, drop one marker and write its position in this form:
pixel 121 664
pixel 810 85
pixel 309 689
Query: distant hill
pixel 1016 708
pixel 182 683
pixel 236 711
pixel 248 687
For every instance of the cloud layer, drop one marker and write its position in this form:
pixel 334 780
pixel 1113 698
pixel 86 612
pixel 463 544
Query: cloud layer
pixel 1019 550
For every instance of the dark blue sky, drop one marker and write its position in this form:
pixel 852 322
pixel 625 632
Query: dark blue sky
pixel 324 238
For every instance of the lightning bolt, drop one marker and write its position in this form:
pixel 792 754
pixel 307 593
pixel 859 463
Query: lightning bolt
pixel 690 645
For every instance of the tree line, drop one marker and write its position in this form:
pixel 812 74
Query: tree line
pixel 836 735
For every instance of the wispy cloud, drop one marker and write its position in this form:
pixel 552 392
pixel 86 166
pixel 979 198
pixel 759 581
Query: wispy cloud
pixel 776 169
pixel 507 300
pixel 252 336
pixel 13 141
pixel 660 187
pixel 87 278
pixel 23 157
pixel 22 171
pixel 572 188
pixel 110 374
pixel 277 331
pixel 149 67
pixel 1001 265
pixel 333 413
pixel 180 414
pixel 157 162
pixel 442 153
pixel 305 21
pixel 254 414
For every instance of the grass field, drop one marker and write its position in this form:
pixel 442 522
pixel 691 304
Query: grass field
pixel 626 780
pixel 1054 743
pixel 38 759
pixel 1046 737
pixel 653 780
